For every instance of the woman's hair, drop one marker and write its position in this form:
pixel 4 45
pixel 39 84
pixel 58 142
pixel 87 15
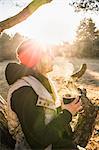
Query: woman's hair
pixel 29 53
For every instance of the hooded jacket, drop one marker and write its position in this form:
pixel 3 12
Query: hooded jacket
pixel 23 102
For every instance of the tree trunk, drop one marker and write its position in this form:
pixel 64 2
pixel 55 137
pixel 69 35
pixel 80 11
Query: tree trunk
pixel 23 15
pixel 86 122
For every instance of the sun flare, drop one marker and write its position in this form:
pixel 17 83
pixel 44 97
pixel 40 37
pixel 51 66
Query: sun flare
pixel 50 24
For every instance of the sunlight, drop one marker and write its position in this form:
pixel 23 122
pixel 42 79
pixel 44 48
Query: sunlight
pixel 51 23
pixel 93 74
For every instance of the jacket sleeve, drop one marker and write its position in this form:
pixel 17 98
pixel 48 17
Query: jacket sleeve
pixel 31 117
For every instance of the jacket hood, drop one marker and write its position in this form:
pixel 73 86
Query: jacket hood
pixel 15 71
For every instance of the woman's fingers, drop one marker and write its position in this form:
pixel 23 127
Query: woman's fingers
pixel 76 100
pixel 74 106
pixel 79 103
pixel 79 108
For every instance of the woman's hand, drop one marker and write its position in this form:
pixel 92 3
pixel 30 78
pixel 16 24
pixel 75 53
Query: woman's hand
pixel 74 106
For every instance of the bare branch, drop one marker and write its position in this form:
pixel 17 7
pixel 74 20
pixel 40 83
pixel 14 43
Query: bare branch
pixel 23 15
pixel 79 74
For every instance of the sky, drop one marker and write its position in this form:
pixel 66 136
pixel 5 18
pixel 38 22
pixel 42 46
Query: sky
pixel 52 23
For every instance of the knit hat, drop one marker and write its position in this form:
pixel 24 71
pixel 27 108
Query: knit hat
pixel 29 53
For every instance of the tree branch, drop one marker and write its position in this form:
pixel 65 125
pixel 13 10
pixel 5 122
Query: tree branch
pixel 23 15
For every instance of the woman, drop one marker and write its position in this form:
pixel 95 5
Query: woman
pixel 32 102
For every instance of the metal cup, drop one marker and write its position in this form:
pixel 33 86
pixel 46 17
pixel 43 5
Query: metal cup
pixel 68 99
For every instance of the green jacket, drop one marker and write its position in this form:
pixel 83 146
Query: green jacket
pixel 23 103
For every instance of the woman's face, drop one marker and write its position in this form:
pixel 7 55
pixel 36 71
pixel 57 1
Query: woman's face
pixel 46 64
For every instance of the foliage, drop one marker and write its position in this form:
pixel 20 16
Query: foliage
pixel 8 46
pixel 85 5
pixel 86 30
pixel 86 43
pixel 63 50
pixel 87 40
